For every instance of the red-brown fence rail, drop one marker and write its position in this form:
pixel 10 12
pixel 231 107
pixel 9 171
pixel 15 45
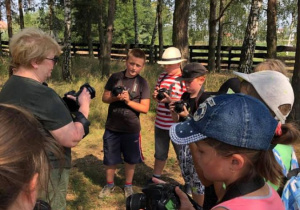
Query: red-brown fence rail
pixel 230 55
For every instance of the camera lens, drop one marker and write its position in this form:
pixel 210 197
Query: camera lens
pixel 136 201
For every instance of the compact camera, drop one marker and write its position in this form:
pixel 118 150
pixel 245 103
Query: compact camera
pixel 154 196
pixel 178 106
pixel 117 90
pixel 73 105
pixel 160 95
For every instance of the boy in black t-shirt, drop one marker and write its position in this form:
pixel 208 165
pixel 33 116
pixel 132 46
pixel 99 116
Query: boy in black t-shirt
pixel 128 95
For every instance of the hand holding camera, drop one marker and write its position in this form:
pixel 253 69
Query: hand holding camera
pixel 162 95
pixel 74 100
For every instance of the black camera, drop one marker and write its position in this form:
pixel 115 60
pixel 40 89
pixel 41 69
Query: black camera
pixel 154 196
pixel 178 106
pixel 160 95
pixel 73 105
pixel 117 90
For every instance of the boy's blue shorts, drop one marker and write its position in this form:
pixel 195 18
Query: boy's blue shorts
pixel 116 144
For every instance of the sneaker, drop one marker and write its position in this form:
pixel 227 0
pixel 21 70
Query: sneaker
pixel 128 191
pixel 106 191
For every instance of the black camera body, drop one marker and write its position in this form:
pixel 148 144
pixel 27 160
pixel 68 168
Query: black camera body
pixel 154 196
pixel 160 95
pixel 117 90
pixel 178 106
pixel 73 105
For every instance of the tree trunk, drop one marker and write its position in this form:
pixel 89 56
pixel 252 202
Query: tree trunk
pixel 180 27
pixel 109 36
pixel 101 31
pixel 1 51
pixel 66 67
pixel 160 27
pixel 220 37
pixel 295 114
pixel 212 36
pixel 51 18
pixel 248 48
pixel 22 25
pixel 9 18
pixel 136 31
pixel 271 29
pixel 89 32
pixel 151 48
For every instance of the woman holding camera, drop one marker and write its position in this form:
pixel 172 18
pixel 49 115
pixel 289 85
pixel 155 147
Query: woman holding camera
pixel 193 75
pixel 33 57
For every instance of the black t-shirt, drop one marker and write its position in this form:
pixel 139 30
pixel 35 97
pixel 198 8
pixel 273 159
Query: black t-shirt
pixel 193 104
pixel 43 103
pixel 121 117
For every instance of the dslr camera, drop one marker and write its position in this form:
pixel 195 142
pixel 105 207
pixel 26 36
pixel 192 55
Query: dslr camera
pixel 154 196
pixel 117 90
pixel 73 105
pixel 178 106
pixel 160 95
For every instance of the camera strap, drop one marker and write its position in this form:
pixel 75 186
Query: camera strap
pixel 242 188
pixel 134 88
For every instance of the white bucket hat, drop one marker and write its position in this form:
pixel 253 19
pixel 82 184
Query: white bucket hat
pixel 171 55
pixel 273 87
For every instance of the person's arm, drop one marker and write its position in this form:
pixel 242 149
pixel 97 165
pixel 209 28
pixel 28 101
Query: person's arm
pixel 108 98
pixel 71 134
pixel 142 107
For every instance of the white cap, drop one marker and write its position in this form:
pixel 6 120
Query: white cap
pixel 273 87
pixel 171 55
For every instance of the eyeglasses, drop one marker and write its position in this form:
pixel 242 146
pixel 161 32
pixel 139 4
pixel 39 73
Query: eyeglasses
pixel 55 59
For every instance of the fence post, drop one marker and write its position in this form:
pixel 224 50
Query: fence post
pixel 191 53
pixel 229 58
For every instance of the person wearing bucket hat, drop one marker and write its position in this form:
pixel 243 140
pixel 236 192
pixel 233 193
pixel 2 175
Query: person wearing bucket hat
pixel 194 75
pixel 234 135
pixel 167 88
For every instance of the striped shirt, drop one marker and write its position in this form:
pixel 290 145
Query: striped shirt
pixel 163 115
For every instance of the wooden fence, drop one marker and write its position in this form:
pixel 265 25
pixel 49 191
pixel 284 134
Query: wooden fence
pixel 230 55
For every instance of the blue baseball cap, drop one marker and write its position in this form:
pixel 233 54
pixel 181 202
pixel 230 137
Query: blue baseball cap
pixel 236 119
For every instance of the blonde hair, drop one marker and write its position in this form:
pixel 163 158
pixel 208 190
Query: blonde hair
pixel 23 146
pixel 31 44
pixel 272 64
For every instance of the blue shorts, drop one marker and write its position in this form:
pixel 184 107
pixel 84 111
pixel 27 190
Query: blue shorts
pixel 116 144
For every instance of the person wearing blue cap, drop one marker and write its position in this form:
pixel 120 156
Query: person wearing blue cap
pixel 234 135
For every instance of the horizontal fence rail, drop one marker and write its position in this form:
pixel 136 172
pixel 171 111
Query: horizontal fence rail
pixel 230 55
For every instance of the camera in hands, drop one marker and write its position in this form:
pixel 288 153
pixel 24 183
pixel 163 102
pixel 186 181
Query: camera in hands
pixel 154 196
pixel 179 106
pixel 160 95
pixel 73 105
pixel 117 90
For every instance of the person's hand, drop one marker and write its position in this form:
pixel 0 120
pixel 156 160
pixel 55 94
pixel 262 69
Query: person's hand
pixel 154 94
pixel 185 203
pixel 158 181
pixel 125 96
pixel 84 98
